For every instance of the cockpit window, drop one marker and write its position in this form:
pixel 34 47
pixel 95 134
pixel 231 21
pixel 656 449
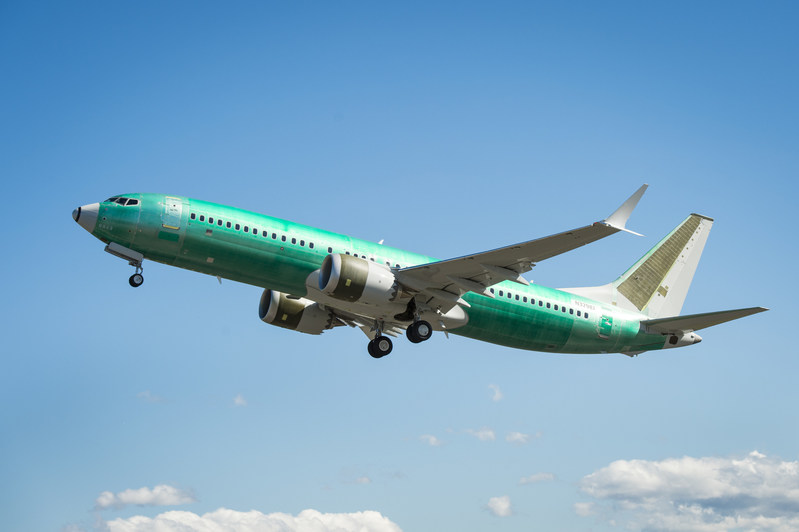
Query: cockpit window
pixel 123 201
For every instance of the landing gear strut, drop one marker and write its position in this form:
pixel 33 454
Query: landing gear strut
pixel 419 331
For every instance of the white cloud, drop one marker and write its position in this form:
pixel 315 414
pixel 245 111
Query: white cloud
pixel 500 506
pixel 149 397
pixel 483 434
pixel 517 437
pixel 520 438
pixel 584 509
pixel 239 400
pixel 497 396
pixel 708 494
pixel 161 495
pixel 363 480
pixel 537 477
pixel 224 519
pixel 431 440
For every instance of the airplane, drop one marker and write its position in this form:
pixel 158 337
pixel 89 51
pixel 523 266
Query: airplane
pixel 315 280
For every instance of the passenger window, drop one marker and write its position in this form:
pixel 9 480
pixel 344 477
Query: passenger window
pixel 246 229
pixel 202 218
pixel 293 240
pixel 586 315
pixel 193 216
pixel 255 230
pixel 491 290
pixel 509 295
pixel 556 307
pixel 238 227
pixel 347 252
pixel 579 313
pixel 548 306
pixel 274 236
pixel 517 297
pixel 283 238
pixel 524 299
pixel 501 293
pixel 219 223
pixel 329 249
pixel 571 311
pixel 310 245
pixel 563 309
pixel 540 303
pixel 264 234
pixel 302 243
pixel 228 225
pixel 210 220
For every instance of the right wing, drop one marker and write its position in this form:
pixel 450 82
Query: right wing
pixel 441 284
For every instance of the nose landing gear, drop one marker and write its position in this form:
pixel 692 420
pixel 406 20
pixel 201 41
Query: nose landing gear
pixel 134 258
pixel 137 278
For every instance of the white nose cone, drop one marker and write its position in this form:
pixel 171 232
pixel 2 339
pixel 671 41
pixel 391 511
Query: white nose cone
pixel 86 216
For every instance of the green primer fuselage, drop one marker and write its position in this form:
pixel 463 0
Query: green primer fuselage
pixel 279 254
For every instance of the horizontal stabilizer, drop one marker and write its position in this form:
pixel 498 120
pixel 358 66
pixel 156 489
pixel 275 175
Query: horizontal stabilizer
pixel 695 322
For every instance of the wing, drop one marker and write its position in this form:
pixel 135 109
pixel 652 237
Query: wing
pixel 441 284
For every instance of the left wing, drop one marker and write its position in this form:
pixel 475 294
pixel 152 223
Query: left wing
pixel 441 284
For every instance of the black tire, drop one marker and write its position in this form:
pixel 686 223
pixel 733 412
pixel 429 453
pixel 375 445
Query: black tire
pixel 370 348
pixel 136 280
pixel 380 347
pixel 419 331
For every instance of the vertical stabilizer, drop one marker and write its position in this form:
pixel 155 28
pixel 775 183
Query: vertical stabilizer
pixel 658 283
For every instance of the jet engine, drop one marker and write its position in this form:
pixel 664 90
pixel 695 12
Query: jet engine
pixel 298 314
pixel 353 279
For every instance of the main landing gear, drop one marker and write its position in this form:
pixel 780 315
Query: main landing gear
pixel 380 346
pixel 417 332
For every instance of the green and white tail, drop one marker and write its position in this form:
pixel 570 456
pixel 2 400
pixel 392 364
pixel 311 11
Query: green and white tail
pixel 657 284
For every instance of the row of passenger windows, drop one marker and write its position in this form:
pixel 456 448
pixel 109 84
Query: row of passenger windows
pixel 254 230
pixel 541 303
pixel 283 238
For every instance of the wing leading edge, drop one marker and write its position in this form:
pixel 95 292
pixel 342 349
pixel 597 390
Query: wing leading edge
pixel 444 282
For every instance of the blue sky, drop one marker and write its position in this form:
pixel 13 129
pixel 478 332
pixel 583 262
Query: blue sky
pixel 445 129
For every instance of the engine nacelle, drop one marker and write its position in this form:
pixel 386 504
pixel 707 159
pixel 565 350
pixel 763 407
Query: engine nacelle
pixel 299 314
pixel 354 279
